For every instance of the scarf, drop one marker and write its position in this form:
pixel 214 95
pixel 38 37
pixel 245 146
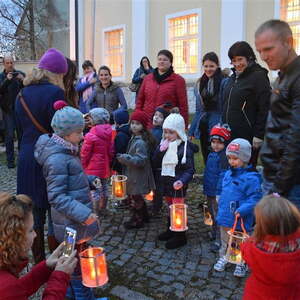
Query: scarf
pixel 159 78
pixel 170 159
pixel 88 91
pixel 212 85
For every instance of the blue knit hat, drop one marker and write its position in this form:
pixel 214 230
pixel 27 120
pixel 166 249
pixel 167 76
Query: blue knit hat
pixel 66 119
pixel 121 116
pixel 99 115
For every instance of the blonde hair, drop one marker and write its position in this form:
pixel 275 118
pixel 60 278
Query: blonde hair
pixel 275 216
pixel 14 211
pixel 37 75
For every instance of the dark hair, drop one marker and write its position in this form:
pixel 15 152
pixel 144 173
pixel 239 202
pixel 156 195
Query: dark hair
pixel 211 56
pixel 141 62
pixel 166 53
pixel 241 49
pixel 88 63
pixel 69 79
pixel 106 68
pixel 148 137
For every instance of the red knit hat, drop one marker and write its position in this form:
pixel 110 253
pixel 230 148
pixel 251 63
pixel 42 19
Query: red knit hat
pixel 140 116
pixel 221 132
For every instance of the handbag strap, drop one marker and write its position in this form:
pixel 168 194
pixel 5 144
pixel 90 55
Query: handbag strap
pixel 235 223
pixel 31 117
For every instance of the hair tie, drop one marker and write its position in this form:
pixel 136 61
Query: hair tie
pixel 276 195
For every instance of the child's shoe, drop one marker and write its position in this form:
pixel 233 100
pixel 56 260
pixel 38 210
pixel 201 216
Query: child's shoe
pixel 220 264
pixel 240 270
pixel 166 235
pixel 178 240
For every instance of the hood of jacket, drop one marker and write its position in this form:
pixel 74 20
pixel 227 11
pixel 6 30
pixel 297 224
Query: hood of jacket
pixel 103 131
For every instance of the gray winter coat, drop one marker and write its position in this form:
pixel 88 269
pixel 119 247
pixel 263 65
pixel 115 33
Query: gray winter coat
pixel 137 167
pixel 67 187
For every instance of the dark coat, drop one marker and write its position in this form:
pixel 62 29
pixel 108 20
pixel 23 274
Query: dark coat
pixel 157 132
pixel 183 172
pixel 246 101
pixel 39 99
pixel 280 153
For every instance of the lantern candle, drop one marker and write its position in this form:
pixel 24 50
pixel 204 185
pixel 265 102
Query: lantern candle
pixel 119 186
pixel 93 267
pixel 207 216
pixel 149 196
pixel 178 213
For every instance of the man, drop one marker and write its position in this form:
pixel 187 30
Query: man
pixel 11 82
pixel 280 154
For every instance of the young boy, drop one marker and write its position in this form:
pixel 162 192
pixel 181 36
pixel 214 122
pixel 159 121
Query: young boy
pixel 241 190
pixel 214 172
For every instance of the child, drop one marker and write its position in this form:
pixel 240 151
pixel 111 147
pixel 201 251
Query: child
pixel 241 190
pixel 175 156
pixel 215 169
pixel 67 185
pixel 161 112
pixel 96 152
pixel 273 252
pixel 138 168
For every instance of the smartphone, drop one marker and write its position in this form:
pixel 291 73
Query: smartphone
pixel 70 240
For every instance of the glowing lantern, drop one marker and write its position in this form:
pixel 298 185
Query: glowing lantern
pixel 93 267
pixel 207 216
pixel 149 196
pixel 178 213
pixel 233 253
pixel 119 187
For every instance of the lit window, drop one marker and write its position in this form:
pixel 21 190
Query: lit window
pixel 290 12
pixel 183 42
pixel 114 51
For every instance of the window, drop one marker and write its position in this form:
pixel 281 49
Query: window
pixel 114 51
pixel 290 12
pixel 183 40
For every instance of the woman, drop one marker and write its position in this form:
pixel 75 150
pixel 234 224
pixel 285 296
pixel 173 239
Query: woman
pixel 86 84
pixel 144 69
pixel 246 97
pixel 162 86
pixel 208 101
pixel 43 87
pixel 107 94
pixel 17 235
pixel 69 79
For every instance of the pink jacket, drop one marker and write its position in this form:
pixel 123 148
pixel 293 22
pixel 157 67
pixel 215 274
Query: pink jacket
pixel 97 151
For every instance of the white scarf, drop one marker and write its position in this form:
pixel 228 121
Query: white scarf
pixel 170 159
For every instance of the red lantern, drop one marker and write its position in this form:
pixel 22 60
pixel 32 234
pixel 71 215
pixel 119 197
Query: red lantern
pixel 119 187
pixel 149 196
pixel 93 267
pixel 178 213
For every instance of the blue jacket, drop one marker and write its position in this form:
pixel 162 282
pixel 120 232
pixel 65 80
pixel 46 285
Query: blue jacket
pixel 214 172
pixel 157 132
pixel 241 190
pixel 138 72
pixel 68 188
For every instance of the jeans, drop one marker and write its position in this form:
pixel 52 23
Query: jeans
pixel 10 126
pixel 39 217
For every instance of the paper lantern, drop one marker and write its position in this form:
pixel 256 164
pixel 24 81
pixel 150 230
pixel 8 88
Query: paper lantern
pixel 119 187
pixel 93 267
pixel 149 196
pixel 178 214
pixel 207 216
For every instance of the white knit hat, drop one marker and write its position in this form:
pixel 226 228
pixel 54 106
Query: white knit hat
pixel 176 122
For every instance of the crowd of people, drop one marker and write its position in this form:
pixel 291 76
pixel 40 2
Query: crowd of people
pixel 74 136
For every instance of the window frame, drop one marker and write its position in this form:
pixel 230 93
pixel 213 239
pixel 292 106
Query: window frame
pixel 184 13
pixel 109 29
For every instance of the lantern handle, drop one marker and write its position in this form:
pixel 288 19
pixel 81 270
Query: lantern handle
pixel 235 223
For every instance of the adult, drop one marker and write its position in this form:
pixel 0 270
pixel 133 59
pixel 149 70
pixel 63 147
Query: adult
pixel 11 82
pixel 280 154
pixel 144 69
pixel 17 235
pixel 208 101
pixel 86 84
pixel 161 86
pixel 69 79
pixel 246 97
pixel 107 94
pixel 43 87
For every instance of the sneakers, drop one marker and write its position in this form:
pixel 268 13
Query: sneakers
pixel 240 270
pixel 220 264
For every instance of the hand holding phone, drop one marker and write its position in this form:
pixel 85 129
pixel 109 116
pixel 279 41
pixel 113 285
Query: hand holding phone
pixel 69 241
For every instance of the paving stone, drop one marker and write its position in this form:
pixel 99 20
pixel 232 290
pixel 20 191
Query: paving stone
pixel 178 286
pixel 124 293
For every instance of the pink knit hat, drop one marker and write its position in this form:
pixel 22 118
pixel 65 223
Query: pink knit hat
pixel 54 61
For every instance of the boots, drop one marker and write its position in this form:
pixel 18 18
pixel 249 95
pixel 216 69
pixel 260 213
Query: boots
pixel 38 246
pixel 103 203
pixel 52 243
pixel 144 213
pixel 178 240
pixel 135 221
pixel 168 234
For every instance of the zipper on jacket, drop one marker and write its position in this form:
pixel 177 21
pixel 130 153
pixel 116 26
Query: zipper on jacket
pixel 104 98
pixel 229 98
pixel 245 115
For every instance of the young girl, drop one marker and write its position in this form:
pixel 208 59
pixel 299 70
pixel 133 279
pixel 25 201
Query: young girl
pixel 273 252
pixel 16 236
pixel 67 185
pixel 138 168
pixel 175 156
pixel 97 151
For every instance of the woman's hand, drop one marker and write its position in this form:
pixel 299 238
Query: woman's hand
pixel 91 219
pixel 177 185
pixel 67 264
pixel 51 261
pixel 164 145
pixel 93 80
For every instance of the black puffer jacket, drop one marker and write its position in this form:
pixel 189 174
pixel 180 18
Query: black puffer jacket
pixel 246 101
pixel 280 153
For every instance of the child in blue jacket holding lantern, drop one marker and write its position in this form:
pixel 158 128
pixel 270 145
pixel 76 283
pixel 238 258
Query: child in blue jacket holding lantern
pixel 241 190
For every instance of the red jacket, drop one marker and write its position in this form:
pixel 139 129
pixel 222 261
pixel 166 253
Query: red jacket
pixel 274 276
pixel 97 151
pixel 152 94
pixel 13 288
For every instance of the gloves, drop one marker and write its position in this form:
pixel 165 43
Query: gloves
pixel 257 142
pixel 164 145
pixel 123 158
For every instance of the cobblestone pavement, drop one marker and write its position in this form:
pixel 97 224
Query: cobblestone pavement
pixel 140 268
